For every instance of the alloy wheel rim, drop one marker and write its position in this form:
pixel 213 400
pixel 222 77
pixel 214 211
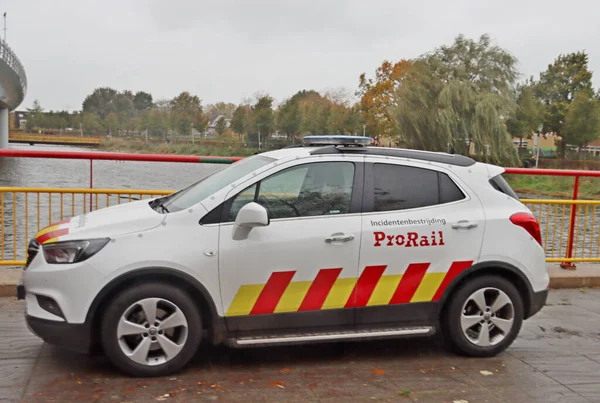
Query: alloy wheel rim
pixel 487 317
pixel 152 331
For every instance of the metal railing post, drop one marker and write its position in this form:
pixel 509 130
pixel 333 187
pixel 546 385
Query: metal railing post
pixel 571 265
pixel 91 181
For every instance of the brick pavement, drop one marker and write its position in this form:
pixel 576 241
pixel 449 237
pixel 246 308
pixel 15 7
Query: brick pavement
pixel 555 359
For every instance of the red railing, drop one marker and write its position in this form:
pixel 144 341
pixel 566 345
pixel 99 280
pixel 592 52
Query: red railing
pixel 573 216
pixel 117 156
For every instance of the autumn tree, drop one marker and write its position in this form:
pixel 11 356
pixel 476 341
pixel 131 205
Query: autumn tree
pixel 557 86
pixel 378 97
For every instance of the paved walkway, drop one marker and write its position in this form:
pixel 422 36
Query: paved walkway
pixel 555 359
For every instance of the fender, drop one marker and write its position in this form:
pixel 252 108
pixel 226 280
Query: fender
pixel 217 324
pixel 493 267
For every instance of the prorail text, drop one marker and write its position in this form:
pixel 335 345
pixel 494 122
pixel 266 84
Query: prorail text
pixel 409 239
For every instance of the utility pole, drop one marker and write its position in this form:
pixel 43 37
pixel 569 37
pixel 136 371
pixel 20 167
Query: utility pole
pixel 5 26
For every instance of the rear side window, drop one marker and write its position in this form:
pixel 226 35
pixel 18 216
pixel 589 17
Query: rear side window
pixel 399 187
pixel 499 183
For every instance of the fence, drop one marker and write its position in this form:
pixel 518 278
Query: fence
pixel 25 211
pixel 569 227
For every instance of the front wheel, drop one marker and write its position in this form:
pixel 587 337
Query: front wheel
pixel 151 329
pixel 483 317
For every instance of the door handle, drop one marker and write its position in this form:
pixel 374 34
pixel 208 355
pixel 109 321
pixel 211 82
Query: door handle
pixel 339 238
pixel 464 224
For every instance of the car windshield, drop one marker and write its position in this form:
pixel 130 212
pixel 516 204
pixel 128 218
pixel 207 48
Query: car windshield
pixel 205 187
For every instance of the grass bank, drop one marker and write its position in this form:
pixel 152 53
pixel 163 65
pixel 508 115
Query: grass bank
pixel 554 186
pixel 140 146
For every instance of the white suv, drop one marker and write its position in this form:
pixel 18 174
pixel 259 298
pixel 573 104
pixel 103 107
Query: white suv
pixel 331 240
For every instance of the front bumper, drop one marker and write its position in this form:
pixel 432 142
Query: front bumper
pixel 538 300
pixel 74 337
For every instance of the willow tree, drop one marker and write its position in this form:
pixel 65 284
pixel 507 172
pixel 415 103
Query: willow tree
pixel 459 97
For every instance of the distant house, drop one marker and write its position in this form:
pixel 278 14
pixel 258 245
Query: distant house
pixel 211 129
pixel 19 119
pixel 593 148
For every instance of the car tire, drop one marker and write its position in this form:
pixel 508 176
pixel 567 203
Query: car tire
pixel 140 348
pixel 484 305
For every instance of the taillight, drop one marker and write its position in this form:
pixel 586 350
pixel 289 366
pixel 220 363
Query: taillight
pixel 529 223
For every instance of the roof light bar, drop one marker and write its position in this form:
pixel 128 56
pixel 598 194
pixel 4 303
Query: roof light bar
pixel 337 140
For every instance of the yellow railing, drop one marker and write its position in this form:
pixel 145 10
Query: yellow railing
pixel 24 211
pixel 556 226
pixel 54 139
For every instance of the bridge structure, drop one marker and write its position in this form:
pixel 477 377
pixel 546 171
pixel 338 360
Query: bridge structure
pixel 13 88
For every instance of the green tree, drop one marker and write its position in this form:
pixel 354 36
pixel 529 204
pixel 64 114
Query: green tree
pixel 262 118
pixel 91 123
pixel 111 123
pixel 187 113
pixel 142 101
pixel 239 120
pixel 529 114
pixel 221 125
pixel 101 102
pixel 289 118
pixel 36 107
pixel 582 121
pixel 458 97
pixel 557 87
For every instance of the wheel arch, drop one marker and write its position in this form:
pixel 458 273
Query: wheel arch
pixel 211 321
pixel 496 268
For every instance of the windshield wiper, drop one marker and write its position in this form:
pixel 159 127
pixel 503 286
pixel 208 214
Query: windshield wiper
pixel 159 203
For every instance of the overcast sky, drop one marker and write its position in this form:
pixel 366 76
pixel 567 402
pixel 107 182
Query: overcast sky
pixel 226 50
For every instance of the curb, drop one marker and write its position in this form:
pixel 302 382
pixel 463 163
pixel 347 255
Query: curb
pixel 574 282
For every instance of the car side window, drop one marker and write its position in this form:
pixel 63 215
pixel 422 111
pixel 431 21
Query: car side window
pixel 323 188
pixel 398 187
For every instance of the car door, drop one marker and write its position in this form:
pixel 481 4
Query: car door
pixel 299 271
pixel 421 228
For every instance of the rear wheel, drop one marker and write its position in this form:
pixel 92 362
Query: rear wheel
pixel 151 330
pixel 483 317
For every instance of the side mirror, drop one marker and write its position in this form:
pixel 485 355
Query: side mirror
pixel 250 216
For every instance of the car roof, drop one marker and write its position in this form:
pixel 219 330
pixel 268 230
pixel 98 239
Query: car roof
pixel 306 151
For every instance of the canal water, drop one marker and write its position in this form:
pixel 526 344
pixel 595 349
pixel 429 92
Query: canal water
pixel 22 215
pixel 33 172
pixel 57 173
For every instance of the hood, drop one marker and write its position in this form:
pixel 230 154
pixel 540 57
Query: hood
pixel 107 222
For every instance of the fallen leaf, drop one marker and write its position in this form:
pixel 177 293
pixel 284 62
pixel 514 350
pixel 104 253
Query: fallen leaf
pixel 486 373
pixel 378 371
pixel 286 370
pixel 277 383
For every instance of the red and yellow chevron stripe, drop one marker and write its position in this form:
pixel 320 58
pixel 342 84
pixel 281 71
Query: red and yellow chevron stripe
pixel 328 291
pixel 53 232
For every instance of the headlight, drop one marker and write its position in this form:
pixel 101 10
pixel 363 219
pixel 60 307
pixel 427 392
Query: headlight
pixel 73 251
